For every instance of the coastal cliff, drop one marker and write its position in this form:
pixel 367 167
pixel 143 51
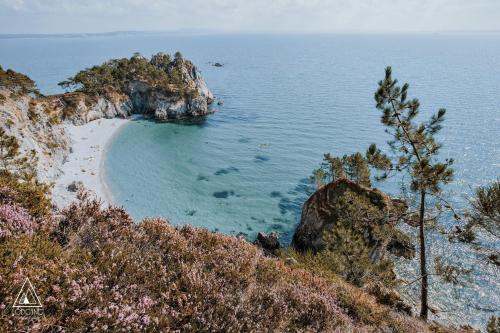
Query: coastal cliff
pixel 25 115
pixel 161 88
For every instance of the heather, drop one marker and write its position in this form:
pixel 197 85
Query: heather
pixel 95 269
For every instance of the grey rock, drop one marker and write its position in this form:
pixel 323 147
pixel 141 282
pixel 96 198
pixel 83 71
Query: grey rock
pixel 291 261
pixel 269 243
pixel 401 245
pixel 76 186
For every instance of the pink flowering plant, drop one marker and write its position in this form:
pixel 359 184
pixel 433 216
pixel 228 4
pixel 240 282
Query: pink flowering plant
pixel 96 270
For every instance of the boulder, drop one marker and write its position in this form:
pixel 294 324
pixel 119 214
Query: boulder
pixel 269 243
pixel 320 212
pixel 76 186
pixel 400 245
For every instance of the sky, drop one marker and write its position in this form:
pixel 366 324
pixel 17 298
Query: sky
pixel 394 16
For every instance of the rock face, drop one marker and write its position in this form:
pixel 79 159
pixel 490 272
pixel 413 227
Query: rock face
pixel 76 186
pixel 319 215
pixel 35 127
pixel 81 108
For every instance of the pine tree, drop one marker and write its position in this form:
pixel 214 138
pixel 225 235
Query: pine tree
pixel 414 150
pixel 353 167
pixel 485 212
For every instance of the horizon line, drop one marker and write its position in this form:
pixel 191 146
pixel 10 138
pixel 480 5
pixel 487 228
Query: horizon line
pixel 226 32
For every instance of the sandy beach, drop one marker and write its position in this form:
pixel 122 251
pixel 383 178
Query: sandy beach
pixel 85 162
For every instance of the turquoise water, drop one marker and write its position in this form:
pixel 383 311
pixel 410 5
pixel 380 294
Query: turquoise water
pixel 287 100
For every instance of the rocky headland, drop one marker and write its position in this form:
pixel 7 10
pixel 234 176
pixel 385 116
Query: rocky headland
pixel 162 88
pixel 322 210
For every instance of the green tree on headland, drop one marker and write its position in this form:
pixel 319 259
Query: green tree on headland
pixel 117 74
pixel 353 167
pixel 18 83
pixel 414 151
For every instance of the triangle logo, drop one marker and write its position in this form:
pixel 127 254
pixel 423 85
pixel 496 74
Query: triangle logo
pixel 27 297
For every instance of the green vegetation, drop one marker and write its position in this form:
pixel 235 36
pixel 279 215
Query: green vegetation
pixel 32 112
pixel 414 152
pixel 115 75
pixel 354 167
pixel 481 222
pixel 493 325
pixel 352 243
pixel 18 178
pixel 19 84
pixel 485 213
pixel 95 269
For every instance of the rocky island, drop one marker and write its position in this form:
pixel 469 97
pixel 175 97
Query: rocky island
pixel 162 88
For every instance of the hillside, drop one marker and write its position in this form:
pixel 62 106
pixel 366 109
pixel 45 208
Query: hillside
pixel 95 269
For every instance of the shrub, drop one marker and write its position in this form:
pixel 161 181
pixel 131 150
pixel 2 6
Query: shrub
pixel 31 195
pixel 18 182
pixel 18 83
pixel 15 220
pixel 115 75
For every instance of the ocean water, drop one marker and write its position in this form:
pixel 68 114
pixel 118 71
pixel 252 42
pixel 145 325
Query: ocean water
pixel 287 99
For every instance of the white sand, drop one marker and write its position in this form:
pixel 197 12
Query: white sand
pixel 85 161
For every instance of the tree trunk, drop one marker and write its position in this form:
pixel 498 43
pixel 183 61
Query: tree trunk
pixel 424 308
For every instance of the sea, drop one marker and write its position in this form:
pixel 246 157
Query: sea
pixel 285 100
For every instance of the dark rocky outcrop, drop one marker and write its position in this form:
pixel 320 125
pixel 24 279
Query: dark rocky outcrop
pixel 320 213
pixel 268 242
pixel 76 186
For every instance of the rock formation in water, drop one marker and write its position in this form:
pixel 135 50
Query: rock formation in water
pixel 162 88
pixel 320 213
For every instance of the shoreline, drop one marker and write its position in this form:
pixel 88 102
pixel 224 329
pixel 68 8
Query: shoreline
pixel 85 162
